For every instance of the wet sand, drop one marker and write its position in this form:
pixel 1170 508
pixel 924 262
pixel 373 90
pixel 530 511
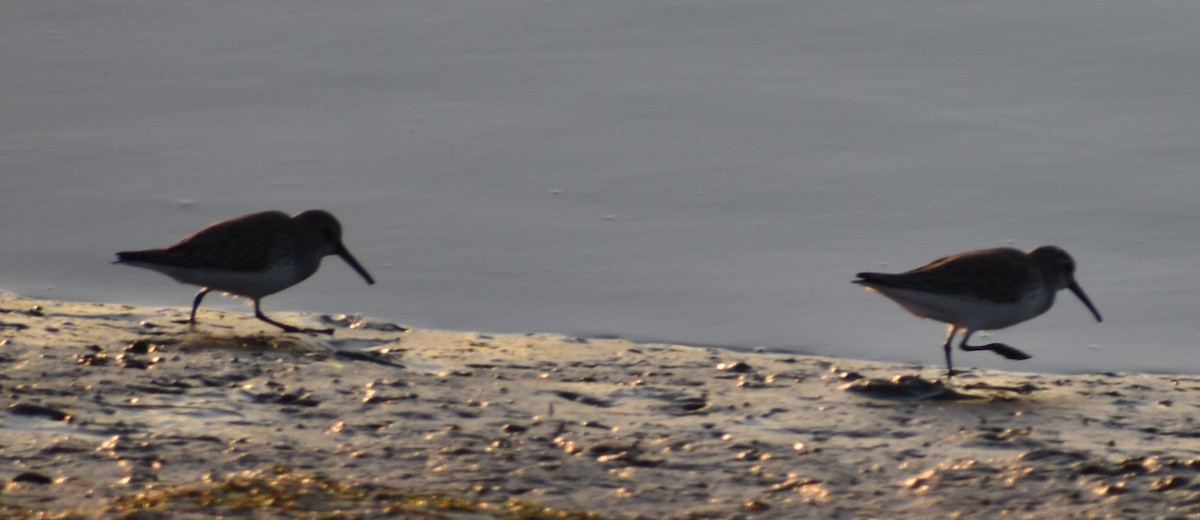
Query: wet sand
pixel 109 404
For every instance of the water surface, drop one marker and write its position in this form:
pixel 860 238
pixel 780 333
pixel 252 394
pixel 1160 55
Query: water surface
pixel 710 173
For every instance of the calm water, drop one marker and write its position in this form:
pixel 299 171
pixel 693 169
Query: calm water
pixel 699 172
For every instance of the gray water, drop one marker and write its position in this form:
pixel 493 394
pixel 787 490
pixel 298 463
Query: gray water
pixel 700 172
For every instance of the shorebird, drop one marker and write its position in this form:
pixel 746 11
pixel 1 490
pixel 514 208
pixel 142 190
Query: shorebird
pixel 987 289
pixel 253 255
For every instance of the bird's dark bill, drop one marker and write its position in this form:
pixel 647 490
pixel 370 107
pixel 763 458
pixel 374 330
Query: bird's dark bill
pixel 342 252
pixel 1075 288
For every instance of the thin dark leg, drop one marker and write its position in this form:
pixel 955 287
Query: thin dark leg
pixel 258 314
pixel 997 348
pixel 946 347
pixel 196 304
pixel 286 328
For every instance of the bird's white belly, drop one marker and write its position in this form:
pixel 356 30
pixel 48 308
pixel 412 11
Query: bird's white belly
pixel 254 284
pixel 968 311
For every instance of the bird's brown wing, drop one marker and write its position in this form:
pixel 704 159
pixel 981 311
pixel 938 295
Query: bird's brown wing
pixel 1004 273
pixel 238 242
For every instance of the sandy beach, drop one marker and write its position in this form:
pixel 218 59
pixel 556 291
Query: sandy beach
pixel 117 411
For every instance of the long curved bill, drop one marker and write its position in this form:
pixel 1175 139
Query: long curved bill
pixel 1075 288
pixel 349 258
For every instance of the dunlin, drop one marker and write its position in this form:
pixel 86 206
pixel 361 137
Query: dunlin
pixel 987 289
pixel 252 255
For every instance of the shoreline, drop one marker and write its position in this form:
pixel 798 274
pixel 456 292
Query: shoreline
pixel 105 401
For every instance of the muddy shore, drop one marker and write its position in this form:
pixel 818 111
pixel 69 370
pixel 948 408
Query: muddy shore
pixel 106 405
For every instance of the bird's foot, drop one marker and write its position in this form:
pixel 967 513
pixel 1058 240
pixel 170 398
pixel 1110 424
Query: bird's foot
pixel 298 330
pixel 1007 351
pixel 291 328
